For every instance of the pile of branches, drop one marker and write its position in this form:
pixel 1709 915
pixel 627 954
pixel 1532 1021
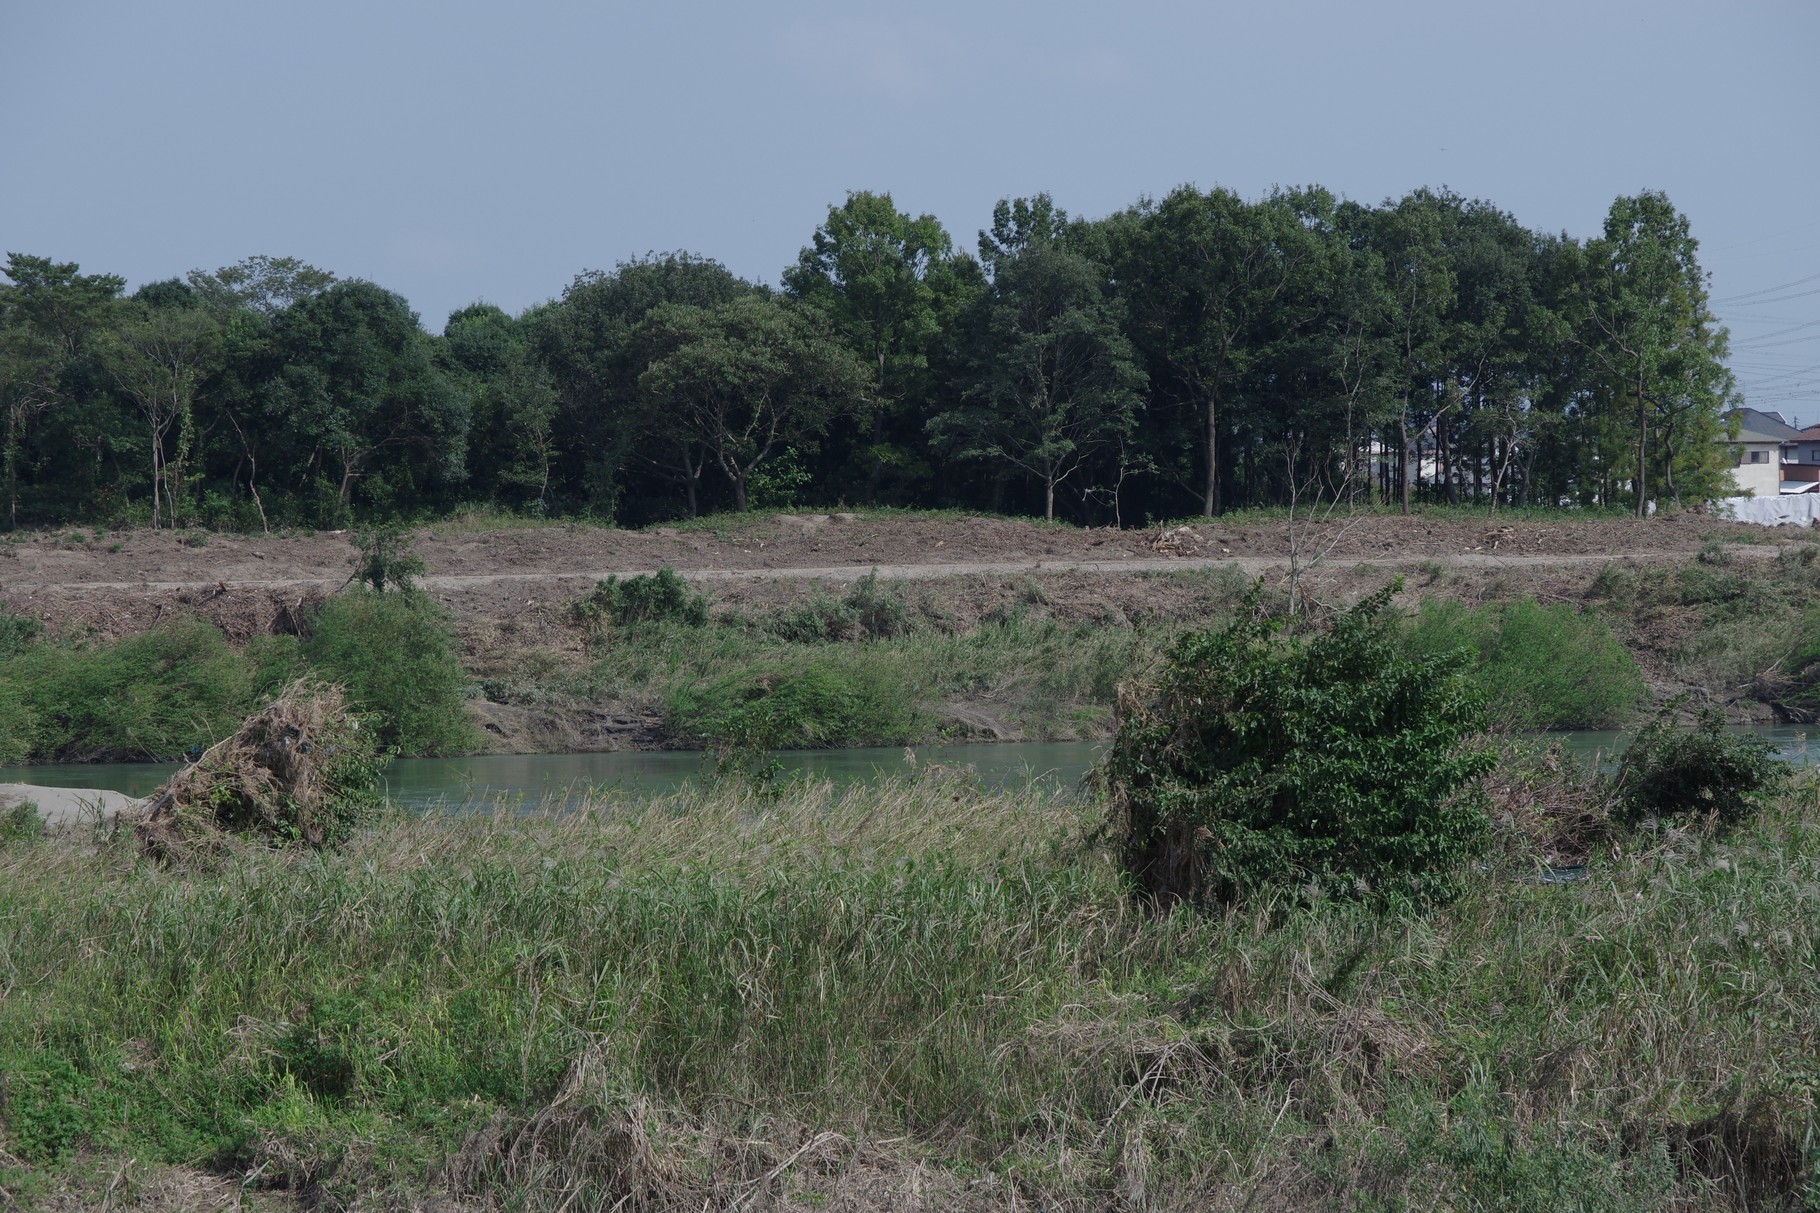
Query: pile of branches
pixel 303 770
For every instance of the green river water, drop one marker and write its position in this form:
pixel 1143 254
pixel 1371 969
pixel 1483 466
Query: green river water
pixel 536 778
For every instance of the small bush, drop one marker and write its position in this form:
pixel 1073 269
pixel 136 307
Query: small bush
pixel 864 612
pixel 820 704
pixel 1552 667
pixel 395 656
pixel 385 560
pixel 660 597
pixel 17 632
pixel 1703 772
pixel 818 619
pixel 1337 763
pixel 881 613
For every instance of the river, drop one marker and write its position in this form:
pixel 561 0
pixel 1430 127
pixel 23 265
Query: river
pixel 535 778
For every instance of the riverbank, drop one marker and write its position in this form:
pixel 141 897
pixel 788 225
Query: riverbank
pixel 908 996
pixel 786 653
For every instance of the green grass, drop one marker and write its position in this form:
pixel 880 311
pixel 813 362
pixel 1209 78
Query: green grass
pixel 712 997
pixel 180 687
pixel 1541 667
pixel 148 697
pixel 1043 678
pixel 1743 629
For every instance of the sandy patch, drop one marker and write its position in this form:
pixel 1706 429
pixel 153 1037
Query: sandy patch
pixel 67 806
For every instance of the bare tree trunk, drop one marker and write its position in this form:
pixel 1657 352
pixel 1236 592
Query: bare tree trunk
pixel 1642 443
pixel 1408 473
pixel 691 474
pixel 1210 498
pixel 252 476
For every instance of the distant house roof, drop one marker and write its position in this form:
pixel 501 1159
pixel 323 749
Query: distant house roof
pixel 1810 434
pixel 1758 426
pixel 1800 486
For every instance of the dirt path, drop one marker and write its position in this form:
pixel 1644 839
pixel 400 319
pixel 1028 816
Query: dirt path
pixel 897 572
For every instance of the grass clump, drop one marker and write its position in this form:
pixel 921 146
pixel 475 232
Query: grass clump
pixel 17 632
pixel 865 612
pixel 395 655
pixel 150 697
pixel 1552 667
pixel 1336 763
pixel 660 597
pixel 824 702
pixel 20 823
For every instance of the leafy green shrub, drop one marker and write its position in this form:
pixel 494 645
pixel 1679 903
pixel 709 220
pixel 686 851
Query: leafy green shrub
pixel 395 656
pixel 150 697
pixel 1552 667
pixel 660 597
pixel 1337 762
pixel 385 559
pixel 1702 772
pixel 822 703
pixel 817 619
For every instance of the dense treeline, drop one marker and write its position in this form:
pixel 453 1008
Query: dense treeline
pixel 1191 354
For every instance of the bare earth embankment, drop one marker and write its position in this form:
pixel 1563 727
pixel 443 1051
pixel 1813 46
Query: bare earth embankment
pixel 507 589
pixel 123 584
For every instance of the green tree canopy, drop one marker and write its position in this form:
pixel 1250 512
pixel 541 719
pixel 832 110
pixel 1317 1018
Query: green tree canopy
pixel 1055 381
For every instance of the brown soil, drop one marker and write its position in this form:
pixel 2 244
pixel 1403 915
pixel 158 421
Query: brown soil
pixel 251 584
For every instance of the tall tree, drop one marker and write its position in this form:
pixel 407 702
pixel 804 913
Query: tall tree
pixel 1645 320
pixel 48 314
pixel 886 282
pixel 747 379
pixel 1055 381
pixel 591 342
pixel 360 401
pixel 261 284
pixel 159 356
pixel 1410 239
pixel 514 444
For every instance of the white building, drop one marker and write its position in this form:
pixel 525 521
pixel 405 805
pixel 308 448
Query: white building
pixel 1757 452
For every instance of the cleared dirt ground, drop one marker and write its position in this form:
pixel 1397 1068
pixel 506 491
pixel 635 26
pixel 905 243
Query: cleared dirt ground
pixel 124 582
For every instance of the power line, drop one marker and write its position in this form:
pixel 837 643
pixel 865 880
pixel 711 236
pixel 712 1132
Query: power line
pixel 1770 290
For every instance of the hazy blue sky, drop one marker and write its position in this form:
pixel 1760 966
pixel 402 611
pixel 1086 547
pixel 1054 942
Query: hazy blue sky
pixel 463 151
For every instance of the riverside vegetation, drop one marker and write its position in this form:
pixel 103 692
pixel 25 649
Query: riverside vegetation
pixel 917 995
pixel 883 663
